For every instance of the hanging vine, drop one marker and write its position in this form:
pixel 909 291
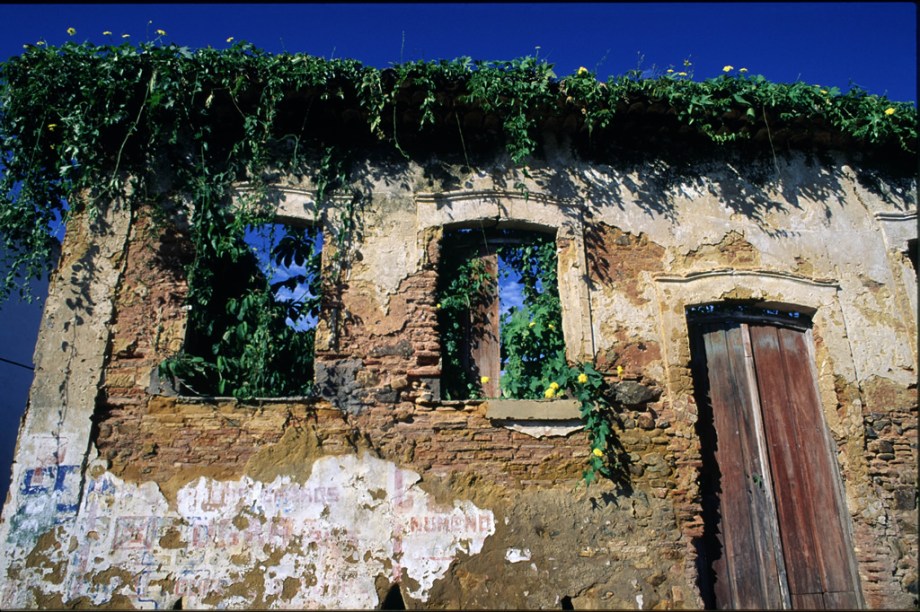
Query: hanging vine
pixel 79 119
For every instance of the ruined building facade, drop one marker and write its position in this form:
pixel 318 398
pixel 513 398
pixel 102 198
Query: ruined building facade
pixel 756 324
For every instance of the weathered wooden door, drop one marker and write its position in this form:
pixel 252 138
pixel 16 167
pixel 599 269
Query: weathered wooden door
pixel 775 530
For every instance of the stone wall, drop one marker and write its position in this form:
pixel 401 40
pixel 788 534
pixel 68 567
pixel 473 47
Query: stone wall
pixel 126 495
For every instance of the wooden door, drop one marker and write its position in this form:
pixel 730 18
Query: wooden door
pixel 775 531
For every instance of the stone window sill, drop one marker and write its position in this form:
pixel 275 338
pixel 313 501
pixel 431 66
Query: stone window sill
pixel 533 410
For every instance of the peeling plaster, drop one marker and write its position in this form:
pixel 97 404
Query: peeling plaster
pixel 545 429
pixel 516 555
pixel 354 519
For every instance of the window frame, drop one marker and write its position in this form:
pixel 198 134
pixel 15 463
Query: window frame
pixel 482 326
pixel 535 212
pixel 295 208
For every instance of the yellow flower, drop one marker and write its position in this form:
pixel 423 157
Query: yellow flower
pixel 582 70
pixel 742 70
pixel 551 326
pixel 681 74
pixel 51 126
pixel 549 393
pixel 438 306
pixel 554 386
pixel 484 379
pixel 531 324
pixel 824 91
pixel 230 39
pixel 670 70
pixel 106 33
pixel 598 452
pixel 161 33
pixel 889 111
pixel 71 31
pixel 582 378
pixel 727 68
pixel 126 36
pixel 687 62
pixel 40 43
pixel 619 370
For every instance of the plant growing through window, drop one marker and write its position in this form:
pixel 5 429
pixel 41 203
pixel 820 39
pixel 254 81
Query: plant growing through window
pixel 499 314
pixel 254 335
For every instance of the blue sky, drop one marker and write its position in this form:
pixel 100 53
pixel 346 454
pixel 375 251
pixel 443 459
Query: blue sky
pixel 836 43
pixel 262 240
pixel 873 45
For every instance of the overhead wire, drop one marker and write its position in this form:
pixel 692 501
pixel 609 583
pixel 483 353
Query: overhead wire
pixel 16 363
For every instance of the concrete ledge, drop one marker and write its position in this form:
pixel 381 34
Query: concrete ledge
pixel 533 410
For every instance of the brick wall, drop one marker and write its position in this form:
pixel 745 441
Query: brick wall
pixel 545 538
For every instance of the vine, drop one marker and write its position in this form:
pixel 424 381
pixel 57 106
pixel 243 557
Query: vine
pixel 588 386
pixel 532 344
pixel 465 286
pixel 79 118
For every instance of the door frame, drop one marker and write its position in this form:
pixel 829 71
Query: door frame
pixel 741 315
pixel 829 340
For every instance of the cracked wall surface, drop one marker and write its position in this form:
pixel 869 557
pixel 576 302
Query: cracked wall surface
pixel 126 496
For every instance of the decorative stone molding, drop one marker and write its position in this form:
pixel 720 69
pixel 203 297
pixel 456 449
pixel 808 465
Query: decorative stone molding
pixel 898 228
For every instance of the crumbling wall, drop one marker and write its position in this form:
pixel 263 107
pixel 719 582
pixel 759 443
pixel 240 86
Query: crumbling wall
pixel 329 501
pixel 54 447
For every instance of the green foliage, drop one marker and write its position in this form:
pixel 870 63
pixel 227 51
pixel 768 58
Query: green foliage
pixel 239 341
pixel 79 120
pixel 517 91
pixel 465 285
pixel 729 108
pixel 532 344
pixel 587 385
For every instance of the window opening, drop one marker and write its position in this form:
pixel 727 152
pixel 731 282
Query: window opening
pixel 255 336
pixel 912 253
pixel 749 310
pixel 500 315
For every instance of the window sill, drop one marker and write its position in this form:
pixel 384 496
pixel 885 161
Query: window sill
pixel 533 410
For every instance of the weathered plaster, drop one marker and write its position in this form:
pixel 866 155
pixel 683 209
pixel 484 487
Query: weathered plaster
pixel 355 518
pixel 329 502
pixel 54 440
